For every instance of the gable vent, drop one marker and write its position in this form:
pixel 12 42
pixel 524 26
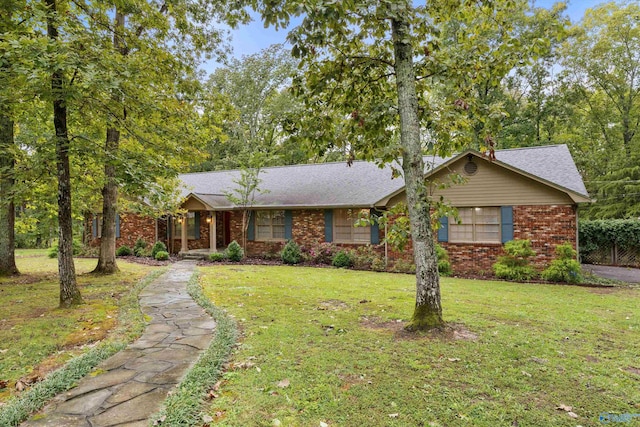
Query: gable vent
pixel 470 168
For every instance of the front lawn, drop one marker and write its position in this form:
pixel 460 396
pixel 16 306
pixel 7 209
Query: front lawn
pixel 35 335
pixel 327 346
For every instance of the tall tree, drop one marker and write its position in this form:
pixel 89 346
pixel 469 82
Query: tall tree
pixel 107 255
pixel 254 93
pixel 69 291
pixel 602 75
pixel 7 148
pixel 392 78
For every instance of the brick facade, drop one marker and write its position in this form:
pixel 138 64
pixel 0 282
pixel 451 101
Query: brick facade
pixel 132 228
pixel 544 226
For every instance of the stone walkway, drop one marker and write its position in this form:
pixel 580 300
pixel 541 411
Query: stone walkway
pixel 131 385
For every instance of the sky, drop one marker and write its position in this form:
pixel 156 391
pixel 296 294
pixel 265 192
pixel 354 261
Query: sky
pixel 252 38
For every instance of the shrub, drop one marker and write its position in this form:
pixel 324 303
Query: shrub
pixel 124 250
pixel 139 247
pixel 157 247
pixel 342 259
pixel 402 266
pixel 162 255
pixel 217 256
pixel 77 249
pixel 565 268
pixel 378 264
pixel 444 265
pixel 291 253
pixel 364 257
pixel 515 264
pixel 235 252
pixel 322 253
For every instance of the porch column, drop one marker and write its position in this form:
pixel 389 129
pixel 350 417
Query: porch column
pixel 184 247
pixel 212 232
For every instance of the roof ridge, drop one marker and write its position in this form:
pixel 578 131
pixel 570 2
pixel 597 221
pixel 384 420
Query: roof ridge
pixel 283 166
pixel 531 148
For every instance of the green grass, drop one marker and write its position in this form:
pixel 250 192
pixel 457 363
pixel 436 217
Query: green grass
pixel 36 336
pixel 336 337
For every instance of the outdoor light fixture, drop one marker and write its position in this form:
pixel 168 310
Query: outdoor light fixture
pixel 208 220
pixel 180 220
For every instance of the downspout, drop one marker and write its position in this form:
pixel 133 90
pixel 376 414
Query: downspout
pixel 386 247
pixel 577 236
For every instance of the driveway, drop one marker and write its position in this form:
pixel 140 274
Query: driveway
pixel 625 274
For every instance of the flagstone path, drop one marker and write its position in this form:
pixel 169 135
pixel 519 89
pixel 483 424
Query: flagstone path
pixel 130 386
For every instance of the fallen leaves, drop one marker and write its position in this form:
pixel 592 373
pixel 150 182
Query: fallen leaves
pixel 567 409
pixel 284 383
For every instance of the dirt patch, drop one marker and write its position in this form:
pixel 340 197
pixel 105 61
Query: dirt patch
pixel 633 370
pixel 332 305
pixel 29 279
pixel 603 290
pixel 147 260
pixel 591 359
pixel 449 332
pixel 349 380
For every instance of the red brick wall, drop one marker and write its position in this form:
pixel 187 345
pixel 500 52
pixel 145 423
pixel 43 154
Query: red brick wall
pixel 132 227
pixel 544 226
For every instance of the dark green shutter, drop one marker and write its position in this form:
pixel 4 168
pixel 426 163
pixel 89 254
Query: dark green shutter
pixel 506 223
pixel 117 226
pixel 94 227
pixel 328 225
pixel 443 231
pixel 288 225
pixel 196 217
pixel 251 229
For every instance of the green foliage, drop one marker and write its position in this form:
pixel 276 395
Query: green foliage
pixel 124 250
pixel 217 256
pixel 342 259
pixel 78 248
pixel 565 268
pixel 162 255
pixel 444 265
pixel 249 101
pixel 139 249
pixel 366 258
pixel 157 247
pixel 321 253
pixel 403 266
pixel 291 253
pixel 514 265
pixel 235 252
pixel 600 234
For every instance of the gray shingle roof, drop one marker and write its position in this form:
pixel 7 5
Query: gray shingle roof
pixel 364 184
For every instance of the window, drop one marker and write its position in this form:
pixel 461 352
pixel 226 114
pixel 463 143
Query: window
pixel 344 229
pixel 190 217
pixel 269 225
pixel 476 225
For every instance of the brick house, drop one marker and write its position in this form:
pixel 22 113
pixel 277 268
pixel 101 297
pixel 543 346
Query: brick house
pixel 526 193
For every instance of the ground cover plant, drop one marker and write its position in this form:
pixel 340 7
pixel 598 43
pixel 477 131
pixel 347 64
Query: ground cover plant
pixel 36 336
pixel 328 346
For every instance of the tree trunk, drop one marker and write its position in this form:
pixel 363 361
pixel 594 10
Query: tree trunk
pixel 69 292
pixel 107 258
pixel 7 211
pixel 428 310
